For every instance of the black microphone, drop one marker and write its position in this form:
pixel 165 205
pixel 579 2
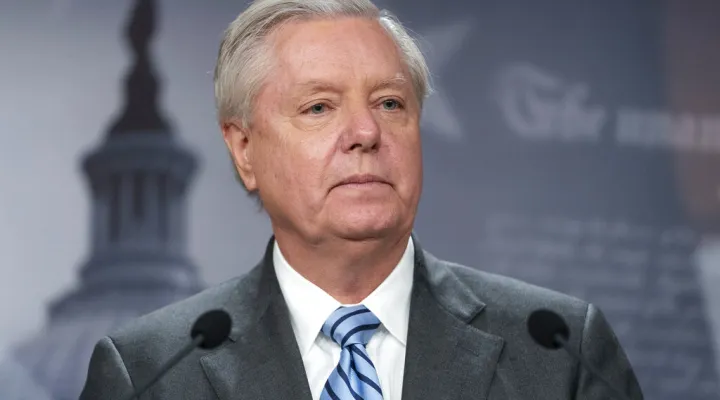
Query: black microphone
pixel 209 331
pixel 549 330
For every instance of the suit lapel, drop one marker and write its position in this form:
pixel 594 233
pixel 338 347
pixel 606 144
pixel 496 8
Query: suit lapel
pixel 446 357
pixel 261 360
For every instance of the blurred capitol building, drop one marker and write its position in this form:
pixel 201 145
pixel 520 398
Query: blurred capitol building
pixel 138 178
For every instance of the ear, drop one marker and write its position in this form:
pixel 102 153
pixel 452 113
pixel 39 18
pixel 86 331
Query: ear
pixel 237 140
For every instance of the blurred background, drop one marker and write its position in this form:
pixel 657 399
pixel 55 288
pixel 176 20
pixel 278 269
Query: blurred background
pixel 574 144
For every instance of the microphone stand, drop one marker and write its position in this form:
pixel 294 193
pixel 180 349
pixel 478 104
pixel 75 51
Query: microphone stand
pixel 168 364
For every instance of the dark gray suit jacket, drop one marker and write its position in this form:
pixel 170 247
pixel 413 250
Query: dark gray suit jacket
pixel 467 340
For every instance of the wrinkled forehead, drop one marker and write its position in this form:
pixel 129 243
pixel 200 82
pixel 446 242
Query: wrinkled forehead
pixel 335 50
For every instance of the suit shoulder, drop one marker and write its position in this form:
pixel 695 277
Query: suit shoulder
pixel 515 298
pixel 171 324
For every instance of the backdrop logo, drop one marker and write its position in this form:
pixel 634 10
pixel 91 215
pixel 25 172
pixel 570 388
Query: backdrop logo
pixel 538 105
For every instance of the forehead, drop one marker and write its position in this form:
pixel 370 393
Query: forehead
pixel 322 49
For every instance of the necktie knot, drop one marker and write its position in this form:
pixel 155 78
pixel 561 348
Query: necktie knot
pixel 351 325
pixel 355 376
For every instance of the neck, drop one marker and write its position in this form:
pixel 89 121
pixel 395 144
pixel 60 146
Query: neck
pixel 347 270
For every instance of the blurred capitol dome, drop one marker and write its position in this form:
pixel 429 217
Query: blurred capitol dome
pixel 138 179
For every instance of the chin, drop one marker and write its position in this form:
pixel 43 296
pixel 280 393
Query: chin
pixel 365 224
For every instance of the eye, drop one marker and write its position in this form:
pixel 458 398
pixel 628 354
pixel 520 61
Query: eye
pixel 390 104
pixel 318 108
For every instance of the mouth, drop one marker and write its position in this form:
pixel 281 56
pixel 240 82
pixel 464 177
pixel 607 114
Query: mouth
pixel 362 179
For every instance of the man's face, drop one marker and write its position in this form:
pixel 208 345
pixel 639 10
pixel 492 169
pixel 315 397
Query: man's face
pixel 338 105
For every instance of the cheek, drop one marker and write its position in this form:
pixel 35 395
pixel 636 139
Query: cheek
pixel 313 172
pixel 317 149
pixel 406 145
pixel 304 169
pixel 406 156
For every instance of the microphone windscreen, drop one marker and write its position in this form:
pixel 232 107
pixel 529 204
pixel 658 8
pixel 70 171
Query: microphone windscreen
pixel 214 326
pixel 544 325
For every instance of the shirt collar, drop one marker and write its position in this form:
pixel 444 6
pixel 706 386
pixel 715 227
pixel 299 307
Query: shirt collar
pixel 390 301
pixel 310 306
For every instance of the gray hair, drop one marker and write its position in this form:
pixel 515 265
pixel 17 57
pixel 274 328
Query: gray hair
pixel 243 59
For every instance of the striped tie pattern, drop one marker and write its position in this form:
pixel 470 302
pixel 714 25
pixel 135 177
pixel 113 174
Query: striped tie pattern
pixel 355 377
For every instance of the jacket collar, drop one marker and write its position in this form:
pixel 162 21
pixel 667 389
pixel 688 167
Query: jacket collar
pixel 446 355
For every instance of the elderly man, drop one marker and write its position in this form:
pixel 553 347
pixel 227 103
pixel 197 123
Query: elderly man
pixel 319 103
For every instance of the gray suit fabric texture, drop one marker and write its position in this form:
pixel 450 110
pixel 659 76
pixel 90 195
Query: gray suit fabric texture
pixel 467 339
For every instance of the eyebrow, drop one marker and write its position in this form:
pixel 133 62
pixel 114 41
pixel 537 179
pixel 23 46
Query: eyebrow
pixel 309 88
pixel 315 85
pixel 396 82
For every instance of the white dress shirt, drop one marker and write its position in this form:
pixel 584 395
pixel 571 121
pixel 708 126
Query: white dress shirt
pixel 310 306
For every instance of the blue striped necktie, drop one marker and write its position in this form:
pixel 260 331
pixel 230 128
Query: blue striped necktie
pixel 355 377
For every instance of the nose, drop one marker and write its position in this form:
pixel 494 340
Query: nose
pixel 362 132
